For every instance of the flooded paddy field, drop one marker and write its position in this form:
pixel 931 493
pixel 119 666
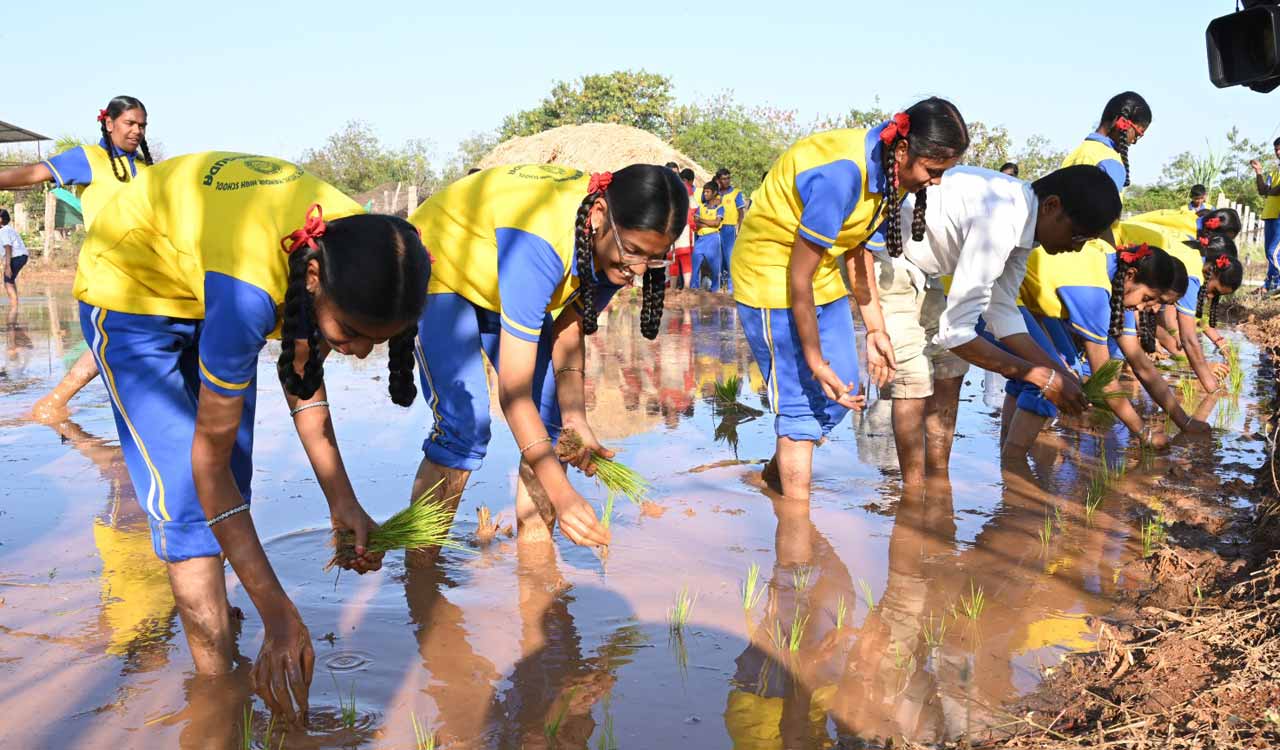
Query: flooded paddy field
pixel 873 615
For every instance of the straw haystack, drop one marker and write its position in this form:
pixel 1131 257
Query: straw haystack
pixel 594 147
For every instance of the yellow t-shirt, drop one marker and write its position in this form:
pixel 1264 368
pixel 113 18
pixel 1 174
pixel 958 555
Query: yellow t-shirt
pixel 1075 287
pixel 1271 206
pixel 731 201
pixel 824 188
pixel 89 166
pixel 504 240
pixel 711 214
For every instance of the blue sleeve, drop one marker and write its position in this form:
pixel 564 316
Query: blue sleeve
pixel 1187 305
pixel 238 317
pixel 70 167
pixel 529 270
pixel 740 201
pixel 875 243
pixel 1088 311
pixel 1114 170
pixel 1130 326
pixel 828 195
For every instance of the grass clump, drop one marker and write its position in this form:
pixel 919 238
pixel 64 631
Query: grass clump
pixel 973 605
pixel 1046 534
pixel 346 709
pixel 867 595
pixel 727 390
pixel 422 739
pixel 425 523
pixel 1153 536
pixel 1187 390
pixel 1095 388
pixel 616 477
pixel 681 610
pixel 934 630
pixel 751 588
pixel 842 611
pixel 552 728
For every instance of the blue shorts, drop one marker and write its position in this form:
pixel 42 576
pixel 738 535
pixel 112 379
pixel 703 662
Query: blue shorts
pixel 149 365
pixel 455 337
pixel 803 411
pixel 1055 338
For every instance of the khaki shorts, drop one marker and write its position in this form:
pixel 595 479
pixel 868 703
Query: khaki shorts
pixel 911 315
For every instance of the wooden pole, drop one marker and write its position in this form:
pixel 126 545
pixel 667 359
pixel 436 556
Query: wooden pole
pixel 50 219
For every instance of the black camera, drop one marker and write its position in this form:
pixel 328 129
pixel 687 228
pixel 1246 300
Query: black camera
pixel 1244 47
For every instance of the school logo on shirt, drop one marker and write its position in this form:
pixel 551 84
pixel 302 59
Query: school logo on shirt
pixel 545 172
pixel 241 171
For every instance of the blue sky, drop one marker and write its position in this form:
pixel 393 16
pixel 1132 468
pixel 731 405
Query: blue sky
pixel 277 77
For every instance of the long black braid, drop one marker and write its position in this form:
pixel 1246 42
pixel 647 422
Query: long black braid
pixel 936 131
pixel 1131 106
pixel 1116 327
pixel 1147 331
pixel 400 363
pixel 892 203
pixel 119 170
pixel 584 248
pixel 655 293
pixel 1121 140
pixel 299 322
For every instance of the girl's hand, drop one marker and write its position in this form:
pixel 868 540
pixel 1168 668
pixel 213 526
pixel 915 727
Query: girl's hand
pixel 1220 369
pixel 281 674
pixel 1157 440
pixel 835 388
pixel 349 515
pixel 578 520
pixel 1065 393
pixel 1256 166
pixel 591 447
pixel 1196 427
pixel 881 364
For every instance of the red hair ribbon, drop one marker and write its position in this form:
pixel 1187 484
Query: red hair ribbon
pixel 102 115
pixel 1123 123
pixel 312 228
pixel 900 125
pixel 1222 261
pixel 1135 253
pixel 1204 241
pixel 1213 223
pixel 599 182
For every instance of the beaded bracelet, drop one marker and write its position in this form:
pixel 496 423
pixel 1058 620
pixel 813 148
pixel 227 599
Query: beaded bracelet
pixel 304 407
pixel 242 507
pixel 536 442
pixel 571 369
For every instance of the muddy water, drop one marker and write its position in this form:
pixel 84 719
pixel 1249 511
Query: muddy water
pixel 865 625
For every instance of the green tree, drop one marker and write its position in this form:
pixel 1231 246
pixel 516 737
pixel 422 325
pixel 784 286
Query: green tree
pixel 469 153
pixel 989 145
pixel 1037 158
pixel 624 97
pixel 724 133
pixel 355 160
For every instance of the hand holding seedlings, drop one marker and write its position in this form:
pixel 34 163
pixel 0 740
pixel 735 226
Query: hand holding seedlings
pixel 578 446
pixel 425 523
pixel 350 521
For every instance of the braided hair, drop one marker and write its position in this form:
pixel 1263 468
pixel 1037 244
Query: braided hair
pixel 937 131
pixel 1220 263
pixel 372 267
pixel 1223 220
pixel 1147 331
pixel 644 197
pixel 1155 269
pixel 116 107
pixel 1132 107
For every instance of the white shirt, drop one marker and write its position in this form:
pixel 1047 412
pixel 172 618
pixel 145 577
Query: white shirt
pixel 10 236
pixel 981 227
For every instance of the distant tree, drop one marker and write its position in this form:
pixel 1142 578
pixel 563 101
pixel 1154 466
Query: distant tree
pixel 624 97
pixel 1037 158
pixel 724 133
pixel 355 160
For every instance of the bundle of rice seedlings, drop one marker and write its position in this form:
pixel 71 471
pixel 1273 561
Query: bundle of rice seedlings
pixel 617 477
pixel 1095 388
pixel 727 390
pixel 425 523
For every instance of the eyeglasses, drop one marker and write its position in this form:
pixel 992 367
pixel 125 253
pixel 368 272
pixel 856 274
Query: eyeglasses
pixel 627 259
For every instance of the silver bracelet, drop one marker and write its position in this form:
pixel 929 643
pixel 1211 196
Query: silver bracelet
pixel 1053 375
pixel 304 407
pixel 242 507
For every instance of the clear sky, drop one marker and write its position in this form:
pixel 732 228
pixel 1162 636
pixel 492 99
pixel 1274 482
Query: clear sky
pixel 278 76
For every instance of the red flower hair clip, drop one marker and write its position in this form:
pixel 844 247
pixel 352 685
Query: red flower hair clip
pixel 102 115
pixel 599 183
pixel 1134 253
pixel 1204 241
pixel 1222 261
pixel 900 125
pixel 312 228
pixel 1213 223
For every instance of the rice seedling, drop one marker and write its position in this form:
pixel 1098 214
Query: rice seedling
pixel 248 741
pixel 751 588
pixel 1153 536
pixel 422 739
pixel 903 661
pixel 789 641
pixel 1046 534
pixel 801 577
pixel 1146 456
pixel 346 709
pixel 1114 473
pixel 1093 496
pixel 552 727
pixel 842 611
pixel 679 613
pixel 973 605
pixel 727 390
pixel 1235 380
pixel 934 630
pixel 616 477
pixel 1095 388
pixel 424 523
pixel 606 512
pixel 607 740
pixel 1187 390
pixel 867 595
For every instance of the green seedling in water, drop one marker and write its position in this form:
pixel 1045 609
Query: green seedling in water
pixel 1153 535
pixel 606 513
pixel 607 740
pixel 751 588
pixel 842 611
pixel 247 734
pixel 801 577
pixel 1147 455
pixel 346 709
pixel 1187 389
pixel 972 606
pixel 422 739
pixel 678 615
pixel 1093 496
pixel 1095 388
pixel 867 595
pixel 727 390
pixel 789 642
pixel 425 523
pixel 552 727
pixel 1046 534
pixel 1114 473
pixel 616 477
pixel 1235 380
pixel 935 630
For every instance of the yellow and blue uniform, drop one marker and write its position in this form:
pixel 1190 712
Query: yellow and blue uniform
pixel 180 281
pixel 90 167
pixel 708 247
pixel 1271 233
pixel 1099 151
pixel 825 188
pixel 1171 236
pixel 735 203
pixel 502 244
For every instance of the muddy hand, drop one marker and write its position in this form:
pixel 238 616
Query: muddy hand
pixel 281 675
pixel 591 447
pixel 578 521
pixel 1220 370
pixel 881 363
pixel 835 388
pixel 1196 427
pixel 349 515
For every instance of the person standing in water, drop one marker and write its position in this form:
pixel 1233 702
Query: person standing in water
pixel 708 247
pixel 525 258
pixel 15 257
pixel 181 281
pixel 1269 189
pixel 819 203
pixel 101 169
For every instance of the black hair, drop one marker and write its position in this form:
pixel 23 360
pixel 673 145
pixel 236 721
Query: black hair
pixel 1156 269
pixel 1089 197
pixel 1199 190
pixel 371 266
pixel 1009 168
pixel 1228 223
pixel 712 186
pixel 938 131
pixel 1147 331
pixel 1223 265
pixel 116 107
pixel 688 175
pixel 641 196
pixel 1275 143
pixel 1132 107
pixel 723 172
pixel 472 171
pixel 4 217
